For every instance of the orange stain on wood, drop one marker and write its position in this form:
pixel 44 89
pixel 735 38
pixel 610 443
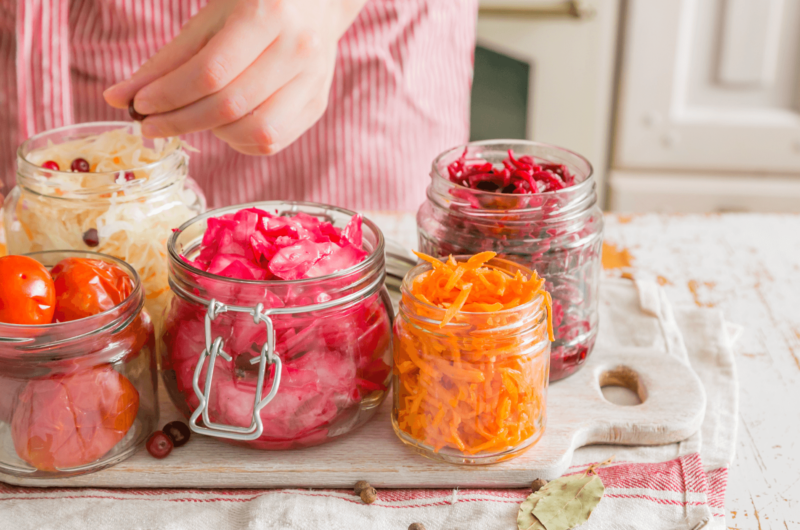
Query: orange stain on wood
pixel 624 219
pixel 614 258
pixel 694 287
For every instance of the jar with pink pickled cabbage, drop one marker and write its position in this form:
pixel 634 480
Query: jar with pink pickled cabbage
pixel 102 187
pixel 534 204
pixel 278 331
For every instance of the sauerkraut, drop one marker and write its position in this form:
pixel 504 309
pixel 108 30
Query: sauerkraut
pixel 125 206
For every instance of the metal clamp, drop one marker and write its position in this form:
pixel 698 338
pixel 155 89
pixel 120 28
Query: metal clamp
pixel 213 349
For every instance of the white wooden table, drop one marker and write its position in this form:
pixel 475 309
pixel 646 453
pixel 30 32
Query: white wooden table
pixel 748 265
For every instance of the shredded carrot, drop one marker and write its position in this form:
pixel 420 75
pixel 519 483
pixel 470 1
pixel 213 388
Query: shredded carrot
pixel 472 359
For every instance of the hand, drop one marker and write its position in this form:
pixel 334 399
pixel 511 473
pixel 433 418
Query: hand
pixel 255 72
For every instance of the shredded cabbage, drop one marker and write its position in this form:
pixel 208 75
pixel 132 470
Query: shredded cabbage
pixel 133 217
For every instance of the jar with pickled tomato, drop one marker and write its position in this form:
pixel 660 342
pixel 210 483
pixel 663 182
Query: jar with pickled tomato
pixel 553 225
pixel 78 390
pixel 102 187
pixel 470 380
pixel 278 331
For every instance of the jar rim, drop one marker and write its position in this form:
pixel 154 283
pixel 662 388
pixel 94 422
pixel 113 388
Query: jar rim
pixel 25 168
pixel 587 181
pixel 425 266
pixel 76 329
pixel 376 253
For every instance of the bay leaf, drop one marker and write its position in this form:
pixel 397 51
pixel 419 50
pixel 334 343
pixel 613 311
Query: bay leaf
pixel 525 517
pixel 568 502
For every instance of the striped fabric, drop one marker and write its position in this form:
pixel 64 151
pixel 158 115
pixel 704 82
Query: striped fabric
pixel 400 95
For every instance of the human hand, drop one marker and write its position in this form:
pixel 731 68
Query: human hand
pixel 255 72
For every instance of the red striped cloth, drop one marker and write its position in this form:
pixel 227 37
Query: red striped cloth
pixel 400 95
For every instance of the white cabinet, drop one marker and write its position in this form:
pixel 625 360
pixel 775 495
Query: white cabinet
pixel 709 100
pixel 572 68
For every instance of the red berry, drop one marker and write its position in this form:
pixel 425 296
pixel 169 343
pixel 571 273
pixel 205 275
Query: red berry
pixel 178 432
pixel 129 176
pixel 91 237
pixel 135 115
pixel 159 445
pixel 79 165
pixel 51 165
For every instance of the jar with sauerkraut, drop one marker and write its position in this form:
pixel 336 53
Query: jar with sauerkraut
pixel 103 187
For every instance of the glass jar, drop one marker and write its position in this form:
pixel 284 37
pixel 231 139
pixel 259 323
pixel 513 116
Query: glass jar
pixel 103 211
pixel 294 363
pixel 559 234
pixel 77 396
pixel 475 390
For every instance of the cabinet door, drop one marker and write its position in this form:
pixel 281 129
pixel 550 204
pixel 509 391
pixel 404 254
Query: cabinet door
pixel 710 85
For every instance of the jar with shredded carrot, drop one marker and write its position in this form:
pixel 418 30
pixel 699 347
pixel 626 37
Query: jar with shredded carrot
pixel 471 359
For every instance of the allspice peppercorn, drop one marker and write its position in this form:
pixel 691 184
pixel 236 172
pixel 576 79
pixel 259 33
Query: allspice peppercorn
pixel 538 484
pixel 416 526
pixel 361 485
pixel 369 495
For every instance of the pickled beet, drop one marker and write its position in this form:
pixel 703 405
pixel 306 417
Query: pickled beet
pixel 51 165
pixel 516 175
pixel 178 432
pixel 129 176
pixel 159 445
pixel 79 165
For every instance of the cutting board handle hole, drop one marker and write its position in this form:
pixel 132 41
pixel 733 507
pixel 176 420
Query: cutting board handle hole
pixel 622 385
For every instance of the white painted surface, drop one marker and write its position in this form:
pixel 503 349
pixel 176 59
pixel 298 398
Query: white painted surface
pixel 678 105
pixel 666 192
pixel 749 266
pixel 572 75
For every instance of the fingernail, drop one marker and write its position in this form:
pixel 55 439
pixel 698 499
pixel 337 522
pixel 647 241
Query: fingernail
pixel 143 106
pixel 151 130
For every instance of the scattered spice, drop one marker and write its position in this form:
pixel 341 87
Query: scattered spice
pixel 369 495
pixel 484 396
pixel 563 503
pixel 159 445
pixel 361 485
pixel 538 484
pixel 178 432
pixel 134 114
pixel 416 526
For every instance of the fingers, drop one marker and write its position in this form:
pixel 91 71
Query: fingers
pixel 277 122
pixel 189 41
pixel 255 85
pixel 247 32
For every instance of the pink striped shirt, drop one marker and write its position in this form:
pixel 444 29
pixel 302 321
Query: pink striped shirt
pixel 400 95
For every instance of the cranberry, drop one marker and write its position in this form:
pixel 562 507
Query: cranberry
pixel 51 165
pixel 135 115
pixel 91 238
pixel 159 445
pixel 129 176
pixel 79 165
pixel 178 432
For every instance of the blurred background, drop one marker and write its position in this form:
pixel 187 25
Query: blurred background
pixel 680 105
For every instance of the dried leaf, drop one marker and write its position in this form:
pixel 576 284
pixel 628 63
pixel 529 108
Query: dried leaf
pixel 568 502
pixel 525 517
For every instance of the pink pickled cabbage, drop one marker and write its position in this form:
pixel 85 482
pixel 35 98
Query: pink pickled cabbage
pixel 332 360
pixel 253 244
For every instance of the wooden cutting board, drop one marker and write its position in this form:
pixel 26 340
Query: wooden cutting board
pixel 578 414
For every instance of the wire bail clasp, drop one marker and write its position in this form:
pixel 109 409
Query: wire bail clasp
pixel 213 349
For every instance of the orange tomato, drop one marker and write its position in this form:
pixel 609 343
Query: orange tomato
pixel 68 421
pixel 86 287
pixel 27 294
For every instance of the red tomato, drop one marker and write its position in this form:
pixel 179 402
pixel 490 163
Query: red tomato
pixel 86 287
pixel 69 421
pixel 27 295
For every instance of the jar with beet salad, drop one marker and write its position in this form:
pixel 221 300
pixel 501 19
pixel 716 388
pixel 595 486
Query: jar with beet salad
pixel 78 374
pixel 471 358
pixel 103 187
pixel 278 331
pixel 535 204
